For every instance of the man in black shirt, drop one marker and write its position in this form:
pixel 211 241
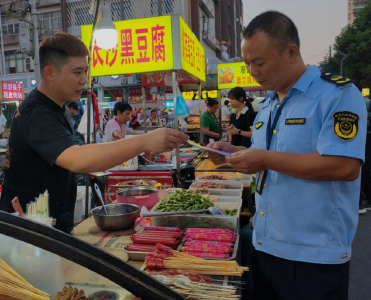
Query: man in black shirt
pixel 43 153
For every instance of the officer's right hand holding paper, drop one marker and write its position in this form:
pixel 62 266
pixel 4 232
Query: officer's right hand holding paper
pixel 218 159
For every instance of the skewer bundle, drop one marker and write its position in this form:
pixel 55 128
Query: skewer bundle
pixel 14 287
pixel 185 262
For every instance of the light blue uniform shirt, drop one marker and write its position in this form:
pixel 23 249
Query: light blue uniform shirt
pixel 303 220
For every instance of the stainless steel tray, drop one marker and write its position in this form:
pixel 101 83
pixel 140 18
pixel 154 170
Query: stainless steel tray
pixel 234 253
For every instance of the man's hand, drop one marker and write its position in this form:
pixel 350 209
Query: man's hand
pixel 248 161
pixel 163 140
pixel 216 158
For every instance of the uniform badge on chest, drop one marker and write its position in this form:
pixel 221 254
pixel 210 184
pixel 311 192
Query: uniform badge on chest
pixel 258 125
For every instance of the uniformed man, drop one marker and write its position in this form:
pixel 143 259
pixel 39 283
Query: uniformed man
pixel 307 150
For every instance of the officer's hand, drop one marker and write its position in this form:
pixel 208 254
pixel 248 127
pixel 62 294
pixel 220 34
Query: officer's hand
pixel 248 161
pixel 163 140
pixel 216 158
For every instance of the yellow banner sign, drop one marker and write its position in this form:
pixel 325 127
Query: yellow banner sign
pixel 234 74
pixel 365 92
pixel 205 95
pixel 144 45
pixel 192 53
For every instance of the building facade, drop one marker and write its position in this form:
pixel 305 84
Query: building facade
pixel 216 23
pixel 19 65
pixel 354 6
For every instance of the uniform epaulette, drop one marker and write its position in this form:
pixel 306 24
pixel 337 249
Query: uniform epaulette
pixel 337 79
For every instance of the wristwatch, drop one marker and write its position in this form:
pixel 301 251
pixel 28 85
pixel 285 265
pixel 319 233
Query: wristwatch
pixel 239 132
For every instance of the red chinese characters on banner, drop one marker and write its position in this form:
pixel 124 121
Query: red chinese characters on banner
pixel 149 50
pixel 191 53
pixel 127 53
pixel 158 47
pixel 142 45
pixel 12 90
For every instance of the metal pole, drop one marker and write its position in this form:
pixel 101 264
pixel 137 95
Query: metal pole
pixel 2 45
pixel 341 63
pixel 35 41
pixel 144 109
pixel 89 101
pixel 341 66
pixel 199 111
pixel 176 126
pixel 159 7
pixel 220 112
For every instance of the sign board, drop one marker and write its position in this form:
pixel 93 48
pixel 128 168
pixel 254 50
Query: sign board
pixel 163 79
pixel 365 92
pixel 144 45
pixel 11 90
pixel 169 104
pixel 192 52
pixel 234 74
pixel 155 44
pixel 205 95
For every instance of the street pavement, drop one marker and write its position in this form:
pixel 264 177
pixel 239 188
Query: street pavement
pixel 360 263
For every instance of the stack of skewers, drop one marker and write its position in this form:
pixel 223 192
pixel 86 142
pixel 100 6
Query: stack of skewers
pixel 167 258
pixel 14 287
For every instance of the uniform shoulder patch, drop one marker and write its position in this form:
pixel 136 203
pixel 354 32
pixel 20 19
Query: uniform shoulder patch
pixel 337 79
pixel 345 125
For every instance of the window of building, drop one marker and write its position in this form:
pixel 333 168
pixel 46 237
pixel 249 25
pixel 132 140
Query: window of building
pixel 167 7
pixel 15 62
pixel 51 20
pixel 82 16
pixel 116 11
pixel 10 25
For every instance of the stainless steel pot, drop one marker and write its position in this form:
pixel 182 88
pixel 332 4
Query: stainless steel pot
pixel 141 196
pixel 119 216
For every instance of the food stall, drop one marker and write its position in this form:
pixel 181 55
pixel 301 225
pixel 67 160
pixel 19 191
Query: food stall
pixel 148 45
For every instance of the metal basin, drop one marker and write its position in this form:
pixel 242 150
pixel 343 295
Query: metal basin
pixel 119 216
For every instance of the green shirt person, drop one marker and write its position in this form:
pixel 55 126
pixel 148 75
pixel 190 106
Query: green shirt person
pixel 210 123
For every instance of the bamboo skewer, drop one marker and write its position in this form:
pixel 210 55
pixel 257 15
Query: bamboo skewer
pixel 14 287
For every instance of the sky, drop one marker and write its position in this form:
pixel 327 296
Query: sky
pixel 318 22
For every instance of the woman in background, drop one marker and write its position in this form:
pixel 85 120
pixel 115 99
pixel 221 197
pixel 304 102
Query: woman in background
pixel 210 123
pixel 240 129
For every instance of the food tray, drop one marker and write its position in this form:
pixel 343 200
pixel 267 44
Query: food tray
pixel 141 256
pixel 232 189
pixel 222 198
pixel 231 185
pixel 243 178
pixel 201 220
pixel 234 253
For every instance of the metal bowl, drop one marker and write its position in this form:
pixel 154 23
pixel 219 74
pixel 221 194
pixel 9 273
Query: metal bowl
pixel 119 216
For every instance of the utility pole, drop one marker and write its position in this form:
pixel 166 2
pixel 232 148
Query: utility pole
pixel 329 51
pixel 35 41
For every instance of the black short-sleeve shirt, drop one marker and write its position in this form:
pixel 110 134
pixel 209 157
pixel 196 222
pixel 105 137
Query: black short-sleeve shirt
pixel 40 132
pixel 244 122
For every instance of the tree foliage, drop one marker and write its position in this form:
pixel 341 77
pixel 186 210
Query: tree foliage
pixel 355 41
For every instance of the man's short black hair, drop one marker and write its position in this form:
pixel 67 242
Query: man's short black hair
pixel 226 102
pixel 73 105
pixel 121 107
pixel 280 28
